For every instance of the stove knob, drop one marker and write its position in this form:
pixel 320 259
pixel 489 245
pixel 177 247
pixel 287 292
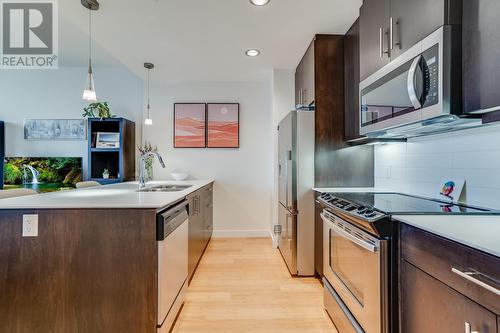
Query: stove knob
pixel 361 209
pixel 370 214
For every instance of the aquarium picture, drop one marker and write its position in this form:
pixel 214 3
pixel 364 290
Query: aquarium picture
pixel 42 174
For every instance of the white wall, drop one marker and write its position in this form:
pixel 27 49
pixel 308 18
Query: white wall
pixel 283 102
pixel 49 94
pixel 421 164
pixel 243 177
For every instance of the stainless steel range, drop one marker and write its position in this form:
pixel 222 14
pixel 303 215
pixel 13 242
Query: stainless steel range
pixel 360 255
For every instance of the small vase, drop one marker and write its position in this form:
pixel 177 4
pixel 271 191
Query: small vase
pixel 149 168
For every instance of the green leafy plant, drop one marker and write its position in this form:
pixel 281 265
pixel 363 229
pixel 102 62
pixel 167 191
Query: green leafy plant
pixel 97 110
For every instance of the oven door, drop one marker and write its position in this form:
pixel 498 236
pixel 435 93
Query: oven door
pixel 355 264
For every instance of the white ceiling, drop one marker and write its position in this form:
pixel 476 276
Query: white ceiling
pixel 200 40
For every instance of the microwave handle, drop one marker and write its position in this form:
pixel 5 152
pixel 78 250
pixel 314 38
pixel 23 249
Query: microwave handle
pixel 346 235
pixel 412 90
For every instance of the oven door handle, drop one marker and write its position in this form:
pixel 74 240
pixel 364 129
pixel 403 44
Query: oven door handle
pixel 347 235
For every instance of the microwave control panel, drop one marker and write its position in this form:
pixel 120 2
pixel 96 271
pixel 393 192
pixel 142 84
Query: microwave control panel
pixel 430 69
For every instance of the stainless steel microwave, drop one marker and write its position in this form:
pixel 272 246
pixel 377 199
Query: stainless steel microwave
pixel 418 92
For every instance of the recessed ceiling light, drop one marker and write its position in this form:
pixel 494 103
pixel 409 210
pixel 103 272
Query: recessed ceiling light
pixel 259 2
pixel 252 52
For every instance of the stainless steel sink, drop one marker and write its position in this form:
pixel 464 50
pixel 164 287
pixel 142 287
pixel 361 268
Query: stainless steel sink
pixel 166 188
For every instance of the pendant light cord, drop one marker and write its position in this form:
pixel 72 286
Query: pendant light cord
pixel 90 41
pixel 149 107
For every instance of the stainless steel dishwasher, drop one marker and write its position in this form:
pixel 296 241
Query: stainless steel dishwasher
pixel 172 237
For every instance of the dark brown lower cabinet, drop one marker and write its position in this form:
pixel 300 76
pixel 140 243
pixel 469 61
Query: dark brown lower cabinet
pixel 89 270
pixel 200 225
pixel 445 286
pixel 318 239
pixel 429 305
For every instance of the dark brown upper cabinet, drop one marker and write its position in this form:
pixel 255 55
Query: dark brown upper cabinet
pixel 351 82
pixel 481 60
pixel 373 29
pixel 390 27
pixel 304 79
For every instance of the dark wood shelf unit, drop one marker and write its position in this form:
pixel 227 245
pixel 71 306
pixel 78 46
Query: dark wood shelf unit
pixel 119 161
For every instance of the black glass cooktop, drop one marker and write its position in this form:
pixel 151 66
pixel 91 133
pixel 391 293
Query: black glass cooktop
pixel 395 203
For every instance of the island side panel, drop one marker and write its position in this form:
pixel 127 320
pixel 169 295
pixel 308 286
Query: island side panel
pixel 87 271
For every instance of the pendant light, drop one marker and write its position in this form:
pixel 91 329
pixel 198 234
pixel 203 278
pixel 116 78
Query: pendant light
pixel 148 121
pixel 89 91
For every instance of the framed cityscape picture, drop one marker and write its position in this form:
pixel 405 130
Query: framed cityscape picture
pixel 223 125
pixel 54 129
pixel 190 125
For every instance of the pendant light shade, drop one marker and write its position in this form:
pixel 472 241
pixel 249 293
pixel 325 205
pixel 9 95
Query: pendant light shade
pixel 89 93
pixel 148 121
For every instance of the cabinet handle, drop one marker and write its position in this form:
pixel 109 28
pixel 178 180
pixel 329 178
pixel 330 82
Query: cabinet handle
pixel 380 43
pixel 391 37
pixel 469 276
pixel 398 30
pixel 468 328
pixel 304 98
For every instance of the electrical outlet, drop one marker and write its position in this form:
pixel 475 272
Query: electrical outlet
pixel 30 225
pixel 388 172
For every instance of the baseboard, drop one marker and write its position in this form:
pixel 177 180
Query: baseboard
pixel 274 239
pixel 241 233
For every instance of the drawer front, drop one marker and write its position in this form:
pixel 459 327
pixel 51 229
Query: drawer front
pixel 446 260
pixel 338 312
pixel 427 305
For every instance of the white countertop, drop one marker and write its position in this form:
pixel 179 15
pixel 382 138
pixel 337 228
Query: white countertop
pixel 350 189
pixel 479 232
pixel 123 195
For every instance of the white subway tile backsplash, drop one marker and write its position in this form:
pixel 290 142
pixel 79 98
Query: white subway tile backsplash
pixel 483 196
pixel 433 175
pixel 477 159
pixel 479 178
pixel 419 165
pixel 431 160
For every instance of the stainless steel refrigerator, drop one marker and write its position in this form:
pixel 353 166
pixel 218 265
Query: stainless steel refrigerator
pixel 296 197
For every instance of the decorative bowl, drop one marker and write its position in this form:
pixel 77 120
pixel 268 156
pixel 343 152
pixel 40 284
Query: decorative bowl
pixel 179 176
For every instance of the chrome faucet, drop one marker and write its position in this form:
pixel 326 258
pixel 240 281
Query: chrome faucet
pixel 142 167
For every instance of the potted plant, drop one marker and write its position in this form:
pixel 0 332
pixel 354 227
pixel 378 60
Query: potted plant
pixel 105 174
pixel 97 110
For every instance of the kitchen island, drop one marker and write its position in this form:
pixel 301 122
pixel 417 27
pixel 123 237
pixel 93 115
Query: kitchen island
pixel 92 266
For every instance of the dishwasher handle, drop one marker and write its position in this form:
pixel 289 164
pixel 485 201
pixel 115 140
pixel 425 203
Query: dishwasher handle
pixel 170 219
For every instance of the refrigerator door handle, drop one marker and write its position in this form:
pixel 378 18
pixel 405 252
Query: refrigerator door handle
pixel 286 183
pixel 288 195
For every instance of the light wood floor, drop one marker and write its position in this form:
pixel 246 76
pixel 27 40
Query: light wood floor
pixel 243 285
